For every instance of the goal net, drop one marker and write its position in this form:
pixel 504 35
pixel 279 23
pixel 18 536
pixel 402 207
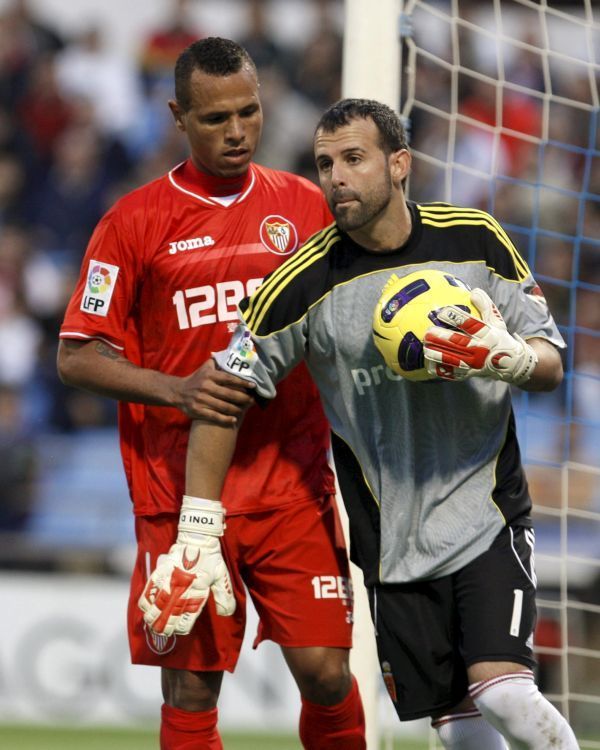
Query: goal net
pixel 501 103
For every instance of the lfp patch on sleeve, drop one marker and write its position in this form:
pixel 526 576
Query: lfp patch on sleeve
pixel 99 288
pixel 241 354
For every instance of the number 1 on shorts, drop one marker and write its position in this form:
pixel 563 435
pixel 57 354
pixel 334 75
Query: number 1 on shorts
pixel 515 622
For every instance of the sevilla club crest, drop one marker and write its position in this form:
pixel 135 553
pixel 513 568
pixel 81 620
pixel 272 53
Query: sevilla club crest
pixel 278 235
pixel 159 644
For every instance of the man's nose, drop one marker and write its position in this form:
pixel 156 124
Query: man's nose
pixel 338 175
pixel 235 130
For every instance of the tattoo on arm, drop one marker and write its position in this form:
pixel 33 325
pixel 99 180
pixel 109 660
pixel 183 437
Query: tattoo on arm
pixel 107 351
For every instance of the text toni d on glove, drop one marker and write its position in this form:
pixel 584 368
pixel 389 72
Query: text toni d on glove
pixel 477 348
pixel 178 589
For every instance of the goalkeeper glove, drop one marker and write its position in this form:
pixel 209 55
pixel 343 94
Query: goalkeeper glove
pixel 477 348
pixel 177 590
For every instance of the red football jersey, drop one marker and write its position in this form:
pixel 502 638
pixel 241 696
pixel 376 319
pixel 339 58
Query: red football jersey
pixel 160 281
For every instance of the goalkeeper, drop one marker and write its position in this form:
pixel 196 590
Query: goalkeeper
pixel 430 472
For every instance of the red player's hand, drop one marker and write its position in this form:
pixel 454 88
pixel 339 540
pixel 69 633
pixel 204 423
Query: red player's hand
pixel 213 395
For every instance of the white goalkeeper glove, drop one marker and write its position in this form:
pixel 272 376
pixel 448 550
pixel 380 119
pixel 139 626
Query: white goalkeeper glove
pixel 477 348
pixel 177 590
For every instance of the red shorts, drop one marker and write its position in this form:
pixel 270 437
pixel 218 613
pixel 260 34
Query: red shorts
pixel 292 561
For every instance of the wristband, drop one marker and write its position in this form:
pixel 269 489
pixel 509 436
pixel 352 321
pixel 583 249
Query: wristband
pixel 200 516
pixel 529 365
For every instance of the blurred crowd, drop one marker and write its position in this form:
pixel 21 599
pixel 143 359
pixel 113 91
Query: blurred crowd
pixel 80 126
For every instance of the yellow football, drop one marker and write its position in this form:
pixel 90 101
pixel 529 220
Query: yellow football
pixel 407 307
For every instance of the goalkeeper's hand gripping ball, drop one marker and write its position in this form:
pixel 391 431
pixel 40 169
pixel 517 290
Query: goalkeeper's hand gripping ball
pixel 407 308
pixel 473 347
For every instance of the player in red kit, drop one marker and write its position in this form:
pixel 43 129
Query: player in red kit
pixel 158 291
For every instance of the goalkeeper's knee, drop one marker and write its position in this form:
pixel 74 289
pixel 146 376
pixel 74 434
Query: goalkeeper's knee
pixel 467 730
pixel 513 704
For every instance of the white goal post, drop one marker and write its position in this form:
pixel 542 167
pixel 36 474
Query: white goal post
pixel 371 64
pixel 371 69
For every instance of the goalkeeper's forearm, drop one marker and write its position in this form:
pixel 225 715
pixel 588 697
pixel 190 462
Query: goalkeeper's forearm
pixel 209 454
pixel 548 373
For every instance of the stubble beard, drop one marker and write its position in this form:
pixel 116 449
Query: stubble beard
pixel 356 216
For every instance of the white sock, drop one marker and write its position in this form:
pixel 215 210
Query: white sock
pixel 468 731
pixel 513 704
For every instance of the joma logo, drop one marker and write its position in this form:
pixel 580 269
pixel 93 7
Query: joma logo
pixel 182 245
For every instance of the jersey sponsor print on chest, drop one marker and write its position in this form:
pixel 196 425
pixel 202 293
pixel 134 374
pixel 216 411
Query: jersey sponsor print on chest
pixel 211 303
pixel 99 288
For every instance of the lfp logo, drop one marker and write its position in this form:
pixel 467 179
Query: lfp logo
pixel 101 280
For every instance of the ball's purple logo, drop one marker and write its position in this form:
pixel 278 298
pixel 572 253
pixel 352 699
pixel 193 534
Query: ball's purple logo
pixel 99 280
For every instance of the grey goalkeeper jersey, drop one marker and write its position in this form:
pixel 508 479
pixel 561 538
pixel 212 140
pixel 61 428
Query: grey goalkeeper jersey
pixel 430 472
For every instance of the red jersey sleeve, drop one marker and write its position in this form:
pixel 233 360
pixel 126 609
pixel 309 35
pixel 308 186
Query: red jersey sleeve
pixel 106 290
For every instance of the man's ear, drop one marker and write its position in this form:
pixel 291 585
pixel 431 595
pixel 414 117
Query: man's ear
pixel 400 162
pixel 177 115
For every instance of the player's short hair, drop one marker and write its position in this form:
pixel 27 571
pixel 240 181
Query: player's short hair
pixel 213 55
pixel 391 131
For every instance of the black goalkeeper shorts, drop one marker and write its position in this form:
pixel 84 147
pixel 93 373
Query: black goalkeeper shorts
pixel 429 632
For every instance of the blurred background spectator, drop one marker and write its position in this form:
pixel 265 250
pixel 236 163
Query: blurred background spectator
pixel 17 462
pixel 160 49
